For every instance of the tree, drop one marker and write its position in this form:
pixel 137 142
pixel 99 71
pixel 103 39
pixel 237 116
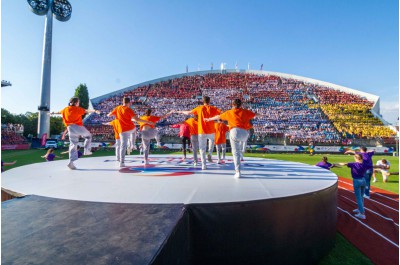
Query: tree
pixel 7 117
pixel 82 93
pixel 56 125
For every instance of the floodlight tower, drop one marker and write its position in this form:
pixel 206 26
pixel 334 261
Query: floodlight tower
pixel 61 10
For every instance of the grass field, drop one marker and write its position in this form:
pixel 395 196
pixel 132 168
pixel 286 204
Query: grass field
pixel 342 253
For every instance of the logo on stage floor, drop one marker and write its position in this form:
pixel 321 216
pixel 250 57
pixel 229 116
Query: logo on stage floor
pixel 162 167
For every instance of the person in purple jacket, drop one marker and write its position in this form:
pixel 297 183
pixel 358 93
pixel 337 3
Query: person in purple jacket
pixel 49 156
pixel 367 158
pixel 359 183
pixel 325 164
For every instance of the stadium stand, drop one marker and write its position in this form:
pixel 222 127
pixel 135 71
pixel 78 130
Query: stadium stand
pixel 290 108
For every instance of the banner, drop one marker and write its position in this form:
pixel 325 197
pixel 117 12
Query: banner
pixel 317 149
pixel 14 146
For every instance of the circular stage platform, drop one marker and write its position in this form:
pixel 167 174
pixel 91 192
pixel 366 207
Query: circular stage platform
pixel 168 179
pixel 170 212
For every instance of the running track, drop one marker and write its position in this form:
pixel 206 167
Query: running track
pixel 378 235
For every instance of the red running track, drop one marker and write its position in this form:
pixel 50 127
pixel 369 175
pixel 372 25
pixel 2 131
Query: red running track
pixel 378 235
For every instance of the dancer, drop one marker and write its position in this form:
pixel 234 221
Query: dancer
pixel 239 124
pixel 7 164
pixel 184 134
pixel 72 118
pixel 194 136
pixel 117 128
pixel 220 139
pixel 149 131
pixel 325 164
pixel 78 149
pixel 49 156
pixel 358 170
pixel 206 129
pixel 367 158
pixel 124 114
pixel 382 166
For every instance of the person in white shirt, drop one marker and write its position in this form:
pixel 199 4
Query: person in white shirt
pixel 382 166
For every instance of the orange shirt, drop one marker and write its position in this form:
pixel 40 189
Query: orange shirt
pixel 124 115
pixel 117 128
pixel 206 111
pixel 220 132
pixel 193 126
pixel 148 118
pixel 239 118
pixel 72 115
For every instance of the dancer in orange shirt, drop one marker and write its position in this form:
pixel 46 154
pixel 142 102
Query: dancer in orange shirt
pixel 124 114
pixel 72 118
pixel 220 139
pixel 149 131
pixel 239 124
pixel 194 136
pixel 206 128
pixel 117 129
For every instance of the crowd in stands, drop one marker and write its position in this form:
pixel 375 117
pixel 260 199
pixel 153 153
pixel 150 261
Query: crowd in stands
pixel 9 127
pixel 296 110
pixel 12 138
pixel 11 134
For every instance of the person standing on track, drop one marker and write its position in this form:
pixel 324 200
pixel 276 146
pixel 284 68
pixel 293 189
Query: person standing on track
pixel 72 118
pixel 124 114
pixel 239 124
pixel 358 170
pixel 367 158
pixel 206 129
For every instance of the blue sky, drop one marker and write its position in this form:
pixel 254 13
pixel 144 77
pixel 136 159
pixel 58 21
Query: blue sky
pixel 111 45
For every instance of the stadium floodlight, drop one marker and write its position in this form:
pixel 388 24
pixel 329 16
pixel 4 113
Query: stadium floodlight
pixel 61 10
pixel 5 83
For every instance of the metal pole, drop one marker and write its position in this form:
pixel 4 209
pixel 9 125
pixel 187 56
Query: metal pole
pixel 44 107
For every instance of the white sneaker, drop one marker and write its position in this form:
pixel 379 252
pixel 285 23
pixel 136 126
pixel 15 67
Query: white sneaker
pixel 356 211
pixel 195 164
pixel 360 215
pixel 209 158
pixel 71 166
pixel 366 196
pixel 87 153
pixel 374 180
pixel 237 175
pixel 146 162
pixel 121 164
pixel 203 167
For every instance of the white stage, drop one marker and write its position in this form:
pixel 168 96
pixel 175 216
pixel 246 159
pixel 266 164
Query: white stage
pixel 166 180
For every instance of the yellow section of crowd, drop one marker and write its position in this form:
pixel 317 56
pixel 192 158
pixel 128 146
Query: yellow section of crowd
pixel 354 119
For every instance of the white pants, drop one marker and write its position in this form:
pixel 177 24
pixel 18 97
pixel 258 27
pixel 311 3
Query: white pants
pixel 124 138
pixel 221 149
pixel 237 137
pixel 244 145
pixel 75 131
pixel 203 146
pixel 132 140
pixel 117 149
pixel 147 135
pixel 194 139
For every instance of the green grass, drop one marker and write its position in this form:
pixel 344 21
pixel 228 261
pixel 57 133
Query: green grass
pixel 342 253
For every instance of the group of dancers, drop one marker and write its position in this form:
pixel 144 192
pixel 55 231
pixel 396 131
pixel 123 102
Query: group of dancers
pixel 201 126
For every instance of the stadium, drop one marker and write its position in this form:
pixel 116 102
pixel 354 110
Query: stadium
pixel 296 110
pixel 220 166
pixel 293 112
